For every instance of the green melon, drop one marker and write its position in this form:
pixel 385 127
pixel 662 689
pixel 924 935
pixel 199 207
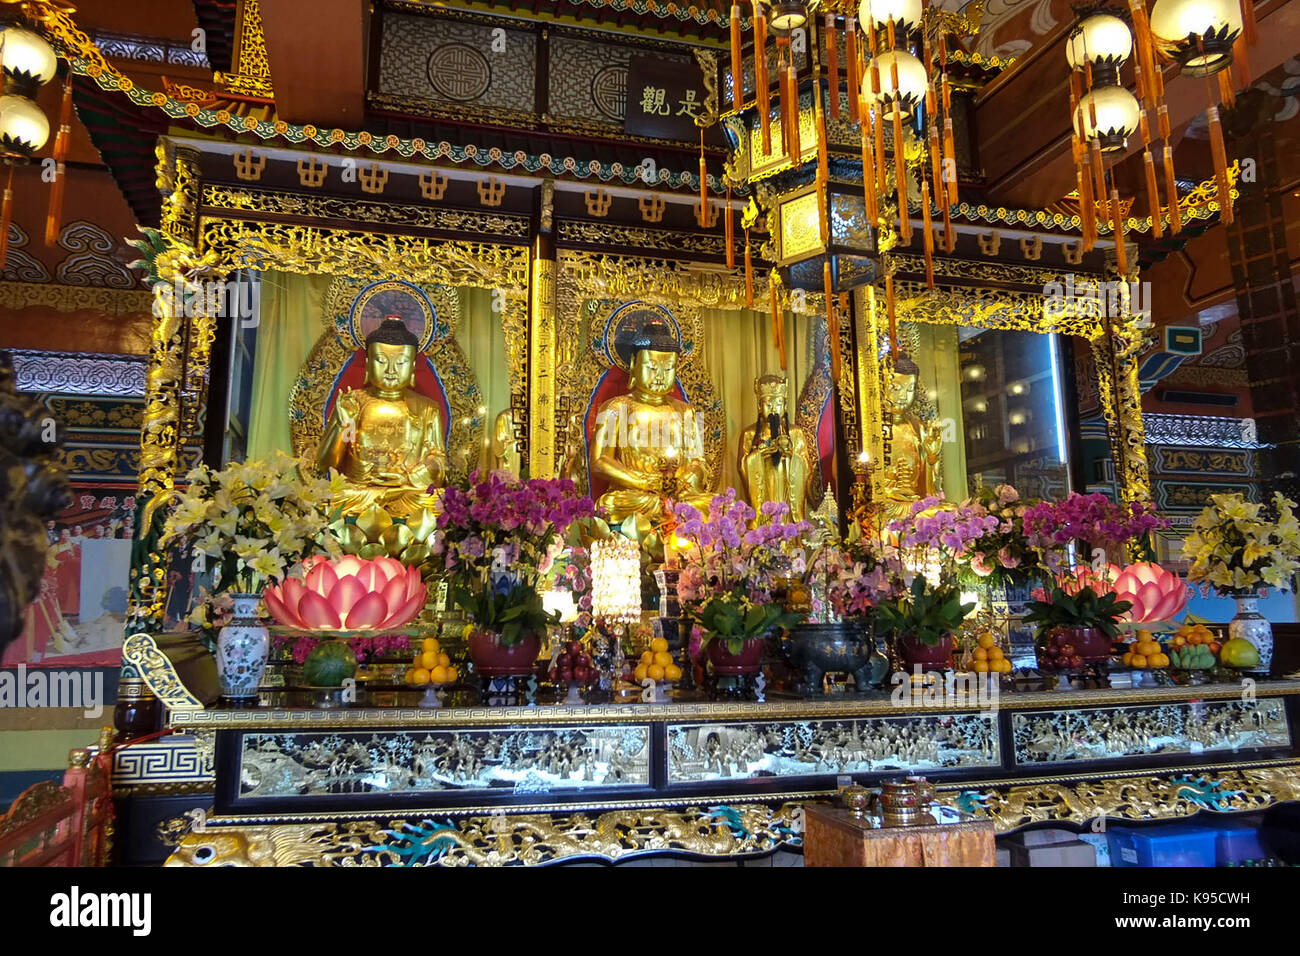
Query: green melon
pixel 329 664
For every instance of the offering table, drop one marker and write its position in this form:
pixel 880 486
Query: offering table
pixel 386 782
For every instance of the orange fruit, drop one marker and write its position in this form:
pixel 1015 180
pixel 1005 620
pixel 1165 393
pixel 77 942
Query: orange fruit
pixel 1139 661
pixel 1160 660
pixel 658 644
pixel 995 654
pixel 420 676
pixel 981 655
pixel 444 660
pixel 648 658
pixel 438 675
pixel 672 672
pixel 663 658
pixel 655 672
pixel 452 675
pixel 1179 641
pixel 429 644
pixel 986 641
pixel 1004 666
pixel 1194 638
pixel 981 666
pixel 1127 659
pixel 409 676
pixel 429 660
pixel 640 673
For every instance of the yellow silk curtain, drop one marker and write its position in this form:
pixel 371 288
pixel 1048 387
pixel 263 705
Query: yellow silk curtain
pixel 738 348
pixel 292 318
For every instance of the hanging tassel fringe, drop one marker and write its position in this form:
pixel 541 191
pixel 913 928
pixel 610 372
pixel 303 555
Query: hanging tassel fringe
pixel 1153 195
pixel 833 66
pixel 1220 167
pixel 729 230
pixel 761 81
pixel 832 323
pixel 749 273
pixel 737 61
pixel 1171 194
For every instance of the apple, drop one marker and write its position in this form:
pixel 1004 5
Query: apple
pixel 1076 662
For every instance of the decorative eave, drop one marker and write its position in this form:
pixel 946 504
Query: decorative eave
pixel 707 21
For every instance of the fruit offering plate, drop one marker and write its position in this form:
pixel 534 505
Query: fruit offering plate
pixel 430 667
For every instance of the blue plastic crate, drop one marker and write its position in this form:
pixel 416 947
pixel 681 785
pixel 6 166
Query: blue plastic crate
pixel 1237 843
pixel 1181 844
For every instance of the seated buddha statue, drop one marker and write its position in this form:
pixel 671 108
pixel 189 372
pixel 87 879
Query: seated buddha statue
pixel 914 445
pixel 647 446
pixel 773 457
pixel 386 439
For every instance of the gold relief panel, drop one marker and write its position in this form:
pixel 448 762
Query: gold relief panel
pixel 250 199
pixel 353 308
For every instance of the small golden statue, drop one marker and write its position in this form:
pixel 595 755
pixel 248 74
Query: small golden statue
pixel 773 457
pixel 503 452
pixel 386 439
pixel 914 445
pixel 647 444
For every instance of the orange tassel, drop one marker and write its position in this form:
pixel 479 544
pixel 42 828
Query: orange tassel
pixel 854 66
pixel 704 183
pixel 832 323
pixel 730 230
pixel 761 79
pixel 892 314
pixel 1220 167
pixel 6 214
pixel 737 61
pixel 1171 193
pixel 950 157
pixel 1098 172
pixel 792 80
pixel 1226 94
pixel 1241 61
pixel 936 163
pixel 900 175
pixel 929 234
pixel 1249 29
pixel 1117 224
pixel 833 66
pixel 60 153
pixel 1083 180
pixel 823 167
pixel 868 166
pixel 1153 195
pixel 878 127
pixel 749 274
pixel 778 321
pixel 949 234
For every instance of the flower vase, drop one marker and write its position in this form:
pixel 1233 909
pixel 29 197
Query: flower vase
pixel 1252 626
pixel 493 659
pixel 242 648
pixel 727 664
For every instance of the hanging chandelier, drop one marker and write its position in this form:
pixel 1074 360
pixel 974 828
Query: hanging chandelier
pixel 828 101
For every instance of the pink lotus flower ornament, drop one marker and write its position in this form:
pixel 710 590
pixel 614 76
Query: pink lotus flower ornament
pixel 1156 594
pixel 348 593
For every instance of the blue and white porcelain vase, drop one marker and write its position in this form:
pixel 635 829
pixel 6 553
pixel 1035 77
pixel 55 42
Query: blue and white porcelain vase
pixel 242 648
pixel 1252 626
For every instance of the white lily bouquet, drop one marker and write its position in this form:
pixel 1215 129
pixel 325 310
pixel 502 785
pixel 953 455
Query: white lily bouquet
pixel 251 522
pixel 1239 546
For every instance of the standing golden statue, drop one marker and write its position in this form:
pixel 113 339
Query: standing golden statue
pixel 503 451
pixel 914 445
pixel 773 457
pixel 386 439
pixel 647 445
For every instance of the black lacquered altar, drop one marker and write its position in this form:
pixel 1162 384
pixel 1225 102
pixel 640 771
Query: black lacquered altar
pixel 384 780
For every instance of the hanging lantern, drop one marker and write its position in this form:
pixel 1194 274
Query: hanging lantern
pixel 849 245
pixel 1116 118
pixel 906 14
pixel 786 17
pixel 902 88
pixel 28 61
pixel 1104 42
pixel 616 580
pixel 1200 32
pixel 24 128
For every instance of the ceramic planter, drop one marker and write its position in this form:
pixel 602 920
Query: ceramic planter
pixel 493 659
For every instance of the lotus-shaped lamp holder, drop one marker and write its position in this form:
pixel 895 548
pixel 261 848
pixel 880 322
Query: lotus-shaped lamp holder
pixel 348 593
pixel 1156 594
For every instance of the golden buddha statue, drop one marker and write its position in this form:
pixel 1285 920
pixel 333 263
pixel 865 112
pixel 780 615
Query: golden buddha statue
pixel 386 439
pixel 914 445
pixel 773 457
pixel 647 445
pixel 503 451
